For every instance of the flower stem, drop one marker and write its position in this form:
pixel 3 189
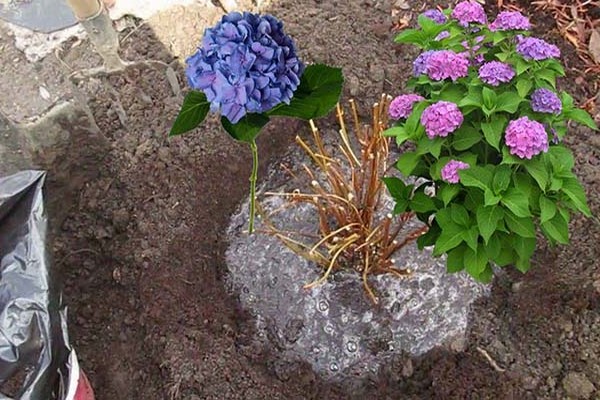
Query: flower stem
pixel 253 185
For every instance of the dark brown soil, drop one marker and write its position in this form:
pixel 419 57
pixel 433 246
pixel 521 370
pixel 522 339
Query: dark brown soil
pixel 142 250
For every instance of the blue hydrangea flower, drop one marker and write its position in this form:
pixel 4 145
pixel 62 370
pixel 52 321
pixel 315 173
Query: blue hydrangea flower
pixel 436 16
pixel 545 101
pixel 246 64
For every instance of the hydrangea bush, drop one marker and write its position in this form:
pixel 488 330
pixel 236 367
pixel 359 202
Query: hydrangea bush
pixel 485 119
pixel 247 70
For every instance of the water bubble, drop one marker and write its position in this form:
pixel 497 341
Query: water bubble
pixel 323 306
pixel 245 290
pixel 316 350
pixel 351 347
pixel 333 367
pixel 328 329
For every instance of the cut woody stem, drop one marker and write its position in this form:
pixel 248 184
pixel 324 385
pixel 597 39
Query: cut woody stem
pixel 253 176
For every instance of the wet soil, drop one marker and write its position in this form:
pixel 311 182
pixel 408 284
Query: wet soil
pixel 142 250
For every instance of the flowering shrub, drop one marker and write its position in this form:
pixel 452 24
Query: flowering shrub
pixel 485 120
pixel 247 70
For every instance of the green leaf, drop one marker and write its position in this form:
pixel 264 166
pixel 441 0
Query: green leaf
pixel 501 178
pixel 429 238
pixel 453 93
pixel 475 261
pixel 524 86
pixel 460 215
pixel 193 111
pixel 573 189
pixel 397 132
pixel 431 146
pixel 547 75
pixel 582 117
pixel 493 248
pixel 487 220
pixel 476 177
pixel 447 192
pixel 465 138
pixel 522 66
pixel 567 101
pixel 517 202
pixel 490 199
pixel 401 206
pixel 548 209
pixel 523 183
pixel 470 237
pixel 407 162
pixel 413 122
pixel 319 91
pixel 562 158
pixel 557 229
pixel 422 203
pixel 455 260
pixel 494 130
pixel 396 187
pixel 509 102
pixel 520 226
pixel 537 169
pixel 472 99
pixel 443 218
pixel 489 98
pixel 555 184
pixel 412 36
pixel 524 247
pixel 247 128
pixel 508 158
pixel 450 237
pixel 555 66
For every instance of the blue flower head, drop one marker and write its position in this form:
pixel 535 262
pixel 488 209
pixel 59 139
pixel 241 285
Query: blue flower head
pixel 246 64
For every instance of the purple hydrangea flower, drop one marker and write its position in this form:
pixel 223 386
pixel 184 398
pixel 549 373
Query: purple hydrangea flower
pixel 508 20
pixel 467 12
pixel 420 63
pixel 402 106
pixel 495 72
pixel 545 101
pixel 537 49
pixel 526 138
pixel 441 118
pixel 246 64
pixel 442 35
pixel 443 64
pixel 450 170
pixel 436 16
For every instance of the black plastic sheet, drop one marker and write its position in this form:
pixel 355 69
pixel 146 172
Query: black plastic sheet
pixel 33 336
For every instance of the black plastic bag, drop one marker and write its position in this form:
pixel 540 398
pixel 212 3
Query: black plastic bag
pixel 35 356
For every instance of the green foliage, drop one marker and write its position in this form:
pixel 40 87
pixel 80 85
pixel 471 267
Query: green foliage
pixel 492 215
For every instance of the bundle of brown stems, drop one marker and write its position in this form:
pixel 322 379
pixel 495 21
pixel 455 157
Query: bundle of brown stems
pixel 346 189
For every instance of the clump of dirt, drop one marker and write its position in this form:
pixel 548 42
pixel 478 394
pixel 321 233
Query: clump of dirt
pixel 143 249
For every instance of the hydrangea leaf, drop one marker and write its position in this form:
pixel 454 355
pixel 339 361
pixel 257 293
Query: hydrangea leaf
pixel 451 236
pixel 520 226
pixel 493 130
pixel 475 261
pixel 470 236
pixel 524 247
pixel 537 169
pixel 247 128
pixel 407 162
pixel 397 188
pixel 582 117
pixel 476 177
pixel 548 209
pixel 524 86
pixel 319 91
pixel 556 229
pixel 448 192
pixel 517 202
pixel 487 220
pixel 509 102
pixel 455 260
pixel 562 158
pixel 422 203
pixel 193 111
pixel 412 36
pixel 465 137
pixel 573 189
pixel 460 215
pixel 501 179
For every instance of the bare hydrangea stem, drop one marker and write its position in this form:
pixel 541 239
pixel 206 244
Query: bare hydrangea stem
pixel 253 185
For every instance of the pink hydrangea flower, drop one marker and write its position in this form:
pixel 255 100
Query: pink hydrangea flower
pixel 495 72
pixel 526 138
pixel 444 64
pixel 536 49
pixel 402 106
pixel 441 119
pixel 509 20
pixel 469 11
pixel 450 170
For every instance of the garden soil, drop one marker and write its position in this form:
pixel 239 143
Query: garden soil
pixel 142 250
